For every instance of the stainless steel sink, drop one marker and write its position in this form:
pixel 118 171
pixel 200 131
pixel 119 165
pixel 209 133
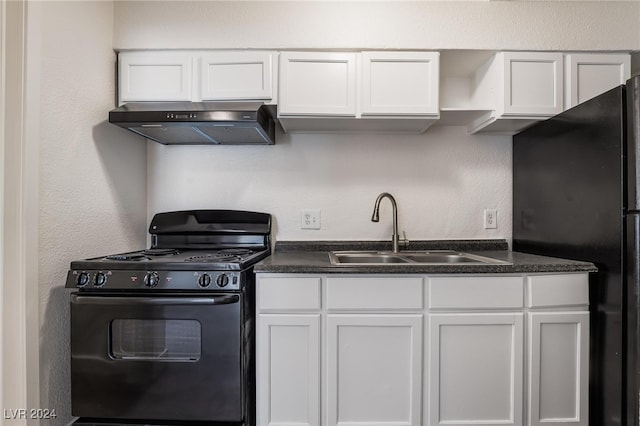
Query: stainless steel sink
pixel 365 258
pixel 431 257
pixel 448 258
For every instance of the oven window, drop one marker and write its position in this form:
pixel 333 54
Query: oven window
pixel 165 340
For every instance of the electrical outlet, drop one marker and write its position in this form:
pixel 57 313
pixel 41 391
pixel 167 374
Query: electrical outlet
pixel 310 219
pixel 490 219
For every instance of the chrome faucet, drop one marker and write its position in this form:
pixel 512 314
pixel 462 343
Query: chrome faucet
pixel 376 218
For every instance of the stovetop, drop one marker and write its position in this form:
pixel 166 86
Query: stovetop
pixel 176 259
pixel 166 270
pixel 193 250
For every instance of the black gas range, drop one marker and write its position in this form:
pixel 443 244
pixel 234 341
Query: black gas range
pixel 197 250
pixel 166 334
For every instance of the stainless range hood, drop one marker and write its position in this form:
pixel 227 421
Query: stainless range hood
pixel 199 123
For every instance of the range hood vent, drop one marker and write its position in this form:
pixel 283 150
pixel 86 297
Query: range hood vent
pixel 199 123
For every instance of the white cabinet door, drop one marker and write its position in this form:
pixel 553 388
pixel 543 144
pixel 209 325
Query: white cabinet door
pixel 475 369
pixel 374 368
pixel 400 83
pixel 288 370
pixel 521 88
pixel 533 83
pixel 237 76
pixel 154 76
pixel 317 83
pixel 559 368
pixel 590 74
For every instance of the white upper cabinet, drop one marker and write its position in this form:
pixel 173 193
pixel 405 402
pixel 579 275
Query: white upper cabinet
pixel 197 75
pixel 400 83
pixel 520 88
pixel 350 91
pixel 506 92
pixel 154 76
pixel 532 84
pixel 378 91
pixel 590 74
pixel 237 76
pixel 318 83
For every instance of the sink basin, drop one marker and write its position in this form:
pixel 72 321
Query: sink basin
pixel 368 258
pixel 432 257
pixel 447 258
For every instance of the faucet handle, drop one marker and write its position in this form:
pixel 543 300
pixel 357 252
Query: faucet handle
pixel 404 241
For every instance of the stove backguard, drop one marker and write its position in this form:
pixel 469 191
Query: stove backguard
pixel 210 229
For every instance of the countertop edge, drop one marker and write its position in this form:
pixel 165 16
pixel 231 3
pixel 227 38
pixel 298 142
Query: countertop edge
pixel 287 260
pixel 422 270
pixel 327 245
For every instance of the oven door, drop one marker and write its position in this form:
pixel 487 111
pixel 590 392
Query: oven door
pixel 162 357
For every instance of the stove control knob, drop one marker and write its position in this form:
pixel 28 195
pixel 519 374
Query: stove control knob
pixel 222 280
pixel 100 279
pixel 82 280
pixel 204 280
pixel 151 279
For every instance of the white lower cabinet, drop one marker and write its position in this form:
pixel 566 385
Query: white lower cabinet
pixel 288 365
pixel 559 368
pixel 374 350
pixel 475 369
pixel 374 369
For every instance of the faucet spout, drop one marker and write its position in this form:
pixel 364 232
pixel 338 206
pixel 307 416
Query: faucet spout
pixel 376 217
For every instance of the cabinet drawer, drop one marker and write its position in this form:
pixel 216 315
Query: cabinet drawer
pixel 557 290
pixel 375 293
pixel 276 293
pixel 476 292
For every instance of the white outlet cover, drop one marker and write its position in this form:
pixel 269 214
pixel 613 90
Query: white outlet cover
pixel 490 219
pixel 310 219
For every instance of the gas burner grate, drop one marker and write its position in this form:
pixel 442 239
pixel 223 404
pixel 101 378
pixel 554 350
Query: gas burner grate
pixel 160 252
pixel 237 251
pixel 225 255
pixel 215 257
pixel 137 256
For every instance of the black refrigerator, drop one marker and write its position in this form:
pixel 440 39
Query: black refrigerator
pixel 576 195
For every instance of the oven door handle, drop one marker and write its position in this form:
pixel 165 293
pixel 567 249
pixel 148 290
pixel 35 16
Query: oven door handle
pixel 155 300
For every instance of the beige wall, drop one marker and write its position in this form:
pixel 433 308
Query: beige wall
pixel 517 25
pixel 443 179
pixel 92 184
pixel 17 353
pixel 92 187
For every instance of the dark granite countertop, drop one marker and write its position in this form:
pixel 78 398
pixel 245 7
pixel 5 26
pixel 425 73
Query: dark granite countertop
pixel 312 257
